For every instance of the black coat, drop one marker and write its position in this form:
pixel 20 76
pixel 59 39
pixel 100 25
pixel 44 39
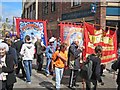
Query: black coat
pixel 96 68
pixel 9 68
pixel 118 76
pixel 74 54
pixel 18 45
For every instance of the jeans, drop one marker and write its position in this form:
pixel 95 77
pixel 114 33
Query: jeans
pixel 28 69
pixel 48 65
pixel 59 74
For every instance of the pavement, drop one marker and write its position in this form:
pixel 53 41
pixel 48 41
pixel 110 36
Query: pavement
pixel 42 82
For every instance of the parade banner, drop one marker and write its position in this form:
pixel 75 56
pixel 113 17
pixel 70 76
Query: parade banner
pixel 34 28
pixel 107 39
pixel 69 32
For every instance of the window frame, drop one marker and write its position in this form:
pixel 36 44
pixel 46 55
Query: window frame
pixel 53 6
pixel 75 3
pixel 45 8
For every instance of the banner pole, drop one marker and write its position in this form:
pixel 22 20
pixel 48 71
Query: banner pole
pixel 96 24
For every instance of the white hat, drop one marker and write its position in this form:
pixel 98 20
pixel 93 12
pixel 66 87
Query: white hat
pixel 51 40
pixel 4 45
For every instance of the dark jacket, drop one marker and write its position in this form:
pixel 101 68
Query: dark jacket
pixel 96 68
pixel 13 52
pixel 18 46
pixel 118 76
pixel 74 55
pixel 38 48
pixel 9 68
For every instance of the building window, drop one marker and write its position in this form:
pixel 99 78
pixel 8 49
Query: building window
pixel 45 7
pixel 27 12
pixel 34 10
pixel 34 6
pixel 75 3
pixel 53 6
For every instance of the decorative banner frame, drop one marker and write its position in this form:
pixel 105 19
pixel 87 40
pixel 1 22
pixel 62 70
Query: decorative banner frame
pixel 34 28
pixel 71 31
pixel 107 39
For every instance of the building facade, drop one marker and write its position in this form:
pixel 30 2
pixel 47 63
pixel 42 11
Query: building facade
pixel 55 12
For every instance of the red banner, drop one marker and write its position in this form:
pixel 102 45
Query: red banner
pixel 107 39
pixel 34 28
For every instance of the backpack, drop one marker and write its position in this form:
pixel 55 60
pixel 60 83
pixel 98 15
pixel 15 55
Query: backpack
pixel 114 66
pixel 86 69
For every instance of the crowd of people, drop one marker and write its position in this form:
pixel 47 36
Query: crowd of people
pixel 16 54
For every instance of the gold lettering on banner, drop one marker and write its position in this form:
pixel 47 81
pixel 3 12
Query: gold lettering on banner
pixel 106 40
pixel 95 39
pixel 99 38
pixel 111 41
pixel 108 56
pixel 108 48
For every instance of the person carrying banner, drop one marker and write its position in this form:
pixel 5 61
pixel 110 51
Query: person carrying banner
pixel 74 52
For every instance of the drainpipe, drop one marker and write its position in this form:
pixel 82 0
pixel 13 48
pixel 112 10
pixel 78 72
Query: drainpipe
pixel 36 9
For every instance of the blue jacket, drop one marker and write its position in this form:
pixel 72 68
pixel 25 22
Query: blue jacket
pixel 49 52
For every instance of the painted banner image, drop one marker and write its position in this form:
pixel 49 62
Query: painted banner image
pixel 72 32
pixel 35 29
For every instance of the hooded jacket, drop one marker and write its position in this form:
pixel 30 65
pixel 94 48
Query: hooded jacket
pixel 27 51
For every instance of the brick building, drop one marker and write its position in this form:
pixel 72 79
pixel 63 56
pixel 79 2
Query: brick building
pixel 55 12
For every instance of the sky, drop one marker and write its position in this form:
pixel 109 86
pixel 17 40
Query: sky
pixel 10 9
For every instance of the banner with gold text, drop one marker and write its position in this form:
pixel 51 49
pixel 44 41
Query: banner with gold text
pixel 107 39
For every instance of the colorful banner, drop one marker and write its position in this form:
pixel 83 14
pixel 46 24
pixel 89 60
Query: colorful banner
pixel 34 28
pixel 71 32
pixel 107 39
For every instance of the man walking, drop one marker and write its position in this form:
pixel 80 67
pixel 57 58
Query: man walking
pixel 74 61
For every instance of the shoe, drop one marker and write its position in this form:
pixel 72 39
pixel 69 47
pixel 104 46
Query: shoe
pixel 75 85
pixel 103 75
pixel 29 82
pixel 71 87
pixel 47 75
